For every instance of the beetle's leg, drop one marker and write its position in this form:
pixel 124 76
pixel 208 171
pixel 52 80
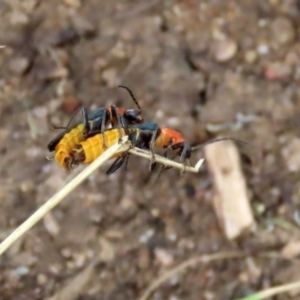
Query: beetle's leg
pixel 103 127
pixel 71 120
pixel 126 162
pixel 118 163
pixel 183 157
pixel 121 122
pixel 151 146
pixel 86 124
pixel 74 114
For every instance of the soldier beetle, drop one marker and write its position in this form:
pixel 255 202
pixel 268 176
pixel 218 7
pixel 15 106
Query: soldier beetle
pixel 151 135
pixel 96 121
pixel 88 150
pixel 145 136
pixel 93 123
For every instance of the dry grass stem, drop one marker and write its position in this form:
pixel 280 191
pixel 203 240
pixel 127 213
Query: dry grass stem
pixel 273 291
pixel 186 264
pixel 218 256
pixel 167 162
pixel 59 196
pixel 123 146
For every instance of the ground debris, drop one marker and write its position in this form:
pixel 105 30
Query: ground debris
pixel 291 249
pixel 231 201
pixel 73 289
pixel 190 64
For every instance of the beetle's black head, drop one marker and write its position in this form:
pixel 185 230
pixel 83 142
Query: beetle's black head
pixel 133 116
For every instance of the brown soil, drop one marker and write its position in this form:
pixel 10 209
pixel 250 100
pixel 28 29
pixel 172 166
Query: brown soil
pixel 191 64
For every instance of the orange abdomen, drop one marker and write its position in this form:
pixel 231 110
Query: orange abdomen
pixel 168 137
pixel 93 147
pixel 66 144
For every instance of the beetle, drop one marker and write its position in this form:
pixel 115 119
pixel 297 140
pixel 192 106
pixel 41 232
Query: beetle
pixel 152 135
pixel 92 124
pixel 95 122
pixel 145 136
pixel 88 150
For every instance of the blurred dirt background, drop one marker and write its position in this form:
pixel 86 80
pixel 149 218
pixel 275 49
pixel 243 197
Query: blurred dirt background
pixel 206 68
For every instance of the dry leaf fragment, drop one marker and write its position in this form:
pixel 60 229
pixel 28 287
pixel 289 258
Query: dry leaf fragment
pixel 231 201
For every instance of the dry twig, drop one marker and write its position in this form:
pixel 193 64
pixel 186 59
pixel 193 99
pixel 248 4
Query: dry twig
pixel 186 264
pixel 123 146
pixel 231 200
pixel 272 291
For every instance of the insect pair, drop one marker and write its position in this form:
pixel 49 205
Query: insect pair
pixel 92 124
pixel 145 136
pixel 84 142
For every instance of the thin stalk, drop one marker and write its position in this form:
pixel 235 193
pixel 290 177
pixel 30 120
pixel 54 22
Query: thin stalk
pixel 123 146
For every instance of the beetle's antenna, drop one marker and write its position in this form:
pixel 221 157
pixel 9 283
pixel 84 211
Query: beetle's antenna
pixel 194 148
pixel 132 96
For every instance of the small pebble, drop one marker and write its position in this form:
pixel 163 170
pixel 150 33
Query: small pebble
pixel 66 252
pixel 41 279
pixel 19 65
pixel 276 70
pixel 283 30
pixel 79 259
pixel 185 243
pixel 51 224
pixel 172 237
pixel 34 152
pixel 55 269
pixel 291 156
pixel 250 56
pixel 291 250
pixel 61 56
pixel 107 251
pixel 175 280
pixel 27 186
pixel 146 236
pixel 159 114
pixel 164 257
pixel 83 27
pixel 17 17
pixel 40 112
pixel 110 76
pixel 173 121
pixel 144 258
pixel 224 50
pixel 58 73
pixel 70 265
pixel 24 259
pixel 29 5
pixel 100 64
pixel 73 3
pixel 21 271
pixel 262 23
pixel 263 49
pixel 208 295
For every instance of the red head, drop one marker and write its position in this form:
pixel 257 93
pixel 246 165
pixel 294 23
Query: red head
pixel 168 138
pixel 173 140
